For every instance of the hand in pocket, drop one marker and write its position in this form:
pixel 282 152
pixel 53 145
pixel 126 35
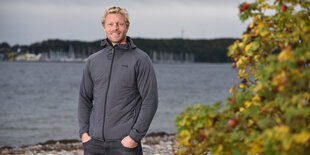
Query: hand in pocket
pixel 85 138
pixel 129 143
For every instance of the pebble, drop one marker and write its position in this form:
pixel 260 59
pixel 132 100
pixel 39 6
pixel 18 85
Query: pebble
pixel 155 144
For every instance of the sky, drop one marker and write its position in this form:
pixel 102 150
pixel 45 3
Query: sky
pixel 25 22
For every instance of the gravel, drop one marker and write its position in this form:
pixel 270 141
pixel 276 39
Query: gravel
pixel 153 144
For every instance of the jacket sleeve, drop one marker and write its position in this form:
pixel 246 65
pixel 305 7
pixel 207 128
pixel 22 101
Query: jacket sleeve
pixel 85 99
pixel 147 86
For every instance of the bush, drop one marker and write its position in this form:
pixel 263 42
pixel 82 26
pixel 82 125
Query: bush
pixel 269 111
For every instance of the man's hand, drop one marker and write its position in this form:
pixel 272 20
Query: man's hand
pixel 85 137
pixel 129 143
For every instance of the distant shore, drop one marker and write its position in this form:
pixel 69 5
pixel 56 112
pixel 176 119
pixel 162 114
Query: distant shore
pixel 153 143
pixel 48 61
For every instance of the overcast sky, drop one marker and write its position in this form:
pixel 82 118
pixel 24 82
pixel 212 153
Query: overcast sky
pixel 29 21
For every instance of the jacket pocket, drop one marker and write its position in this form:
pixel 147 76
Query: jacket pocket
pixel 87 142
pixel 126 148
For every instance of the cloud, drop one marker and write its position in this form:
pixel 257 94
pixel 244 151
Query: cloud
pixel 25 22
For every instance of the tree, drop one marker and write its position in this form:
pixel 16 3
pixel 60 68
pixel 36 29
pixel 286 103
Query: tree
pixel 269 111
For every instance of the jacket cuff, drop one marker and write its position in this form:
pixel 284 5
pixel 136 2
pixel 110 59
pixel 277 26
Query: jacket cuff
pixel 135 136
pixel 82 132
pixel 133 139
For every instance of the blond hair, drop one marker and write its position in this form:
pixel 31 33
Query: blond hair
pixel 117 10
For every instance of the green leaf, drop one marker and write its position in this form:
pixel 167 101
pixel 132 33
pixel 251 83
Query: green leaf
pixel 253 110
pixel 290 112
pixel 234 136
pixel 263 122
pixel 237 151
pixel 244 16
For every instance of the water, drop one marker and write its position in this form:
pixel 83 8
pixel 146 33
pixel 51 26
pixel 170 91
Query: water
pixel 38 100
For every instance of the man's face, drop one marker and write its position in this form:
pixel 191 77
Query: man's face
pixel 116 28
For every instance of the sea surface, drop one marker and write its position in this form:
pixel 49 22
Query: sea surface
pixel 38 100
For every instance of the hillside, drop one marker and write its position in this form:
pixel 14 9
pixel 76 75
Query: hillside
pixel 213 50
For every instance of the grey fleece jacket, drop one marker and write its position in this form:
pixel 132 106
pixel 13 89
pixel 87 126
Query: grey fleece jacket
pixel 118 93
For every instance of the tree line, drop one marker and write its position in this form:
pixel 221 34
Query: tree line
pixel 213 50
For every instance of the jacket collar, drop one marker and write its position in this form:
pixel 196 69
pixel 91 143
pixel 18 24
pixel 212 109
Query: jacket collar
pixel 106 43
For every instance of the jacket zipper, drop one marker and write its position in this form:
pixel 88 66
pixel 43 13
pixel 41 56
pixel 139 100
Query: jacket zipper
pixel 106 94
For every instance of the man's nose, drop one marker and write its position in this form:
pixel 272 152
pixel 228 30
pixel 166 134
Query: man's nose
pixel 115 27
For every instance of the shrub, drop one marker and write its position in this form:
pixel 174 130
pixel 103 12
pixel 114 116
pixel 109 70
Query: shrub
pixel 268 112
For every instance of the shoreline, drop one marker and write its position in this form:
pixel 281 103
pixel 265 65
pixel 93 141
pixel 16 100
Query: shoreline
pixel 159 142
pixel 82 61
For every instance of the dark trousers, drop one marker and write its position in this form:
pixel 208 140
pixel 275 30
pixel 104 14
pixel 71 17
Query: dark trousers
pixel 97 147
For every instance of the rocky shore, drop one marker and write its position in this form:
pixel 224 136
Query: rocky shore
pixel 153 144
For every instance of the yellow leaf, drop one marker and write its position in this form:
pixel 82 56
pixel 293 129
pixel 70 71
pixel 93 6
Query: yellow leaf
pixel 282 129
pixel 269 134
pixel 286 143
pixel 184 133
pixel 302 137
pixel 247 47
pixel 257 57
pixel 219 149
pixel 307 96
pixel 232 89
pixel 250 122
pixel 198 106
pixel 286 54
pixel 247 104
pixel 265 7
pixel 185 137
pixel 256 147
pixel 177 144
pixel 259 87
pixel 252 70
pixel 251 47
pixel 280 80
pixel 241 109
pixel 245 37
pixel 278 120
pixel 296 72
pixel 182 122
pixel 242 86
pixel 262 29
pixel 257 98
pixel 251 25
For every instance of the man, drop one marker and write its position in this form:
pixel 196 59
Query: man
pixel 118 93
